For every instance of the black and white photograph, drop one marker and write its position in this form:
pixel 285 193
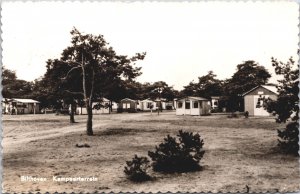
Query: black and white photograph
pixel 150 96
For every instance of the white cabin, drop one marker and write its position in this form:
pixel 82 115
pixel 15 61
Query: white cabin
pixel 193 106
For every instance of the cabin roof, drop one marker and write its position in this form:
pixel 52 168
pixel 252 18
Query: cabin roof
pixel 25 100
pixel 194 98
pixel 270 88
pixel 128 99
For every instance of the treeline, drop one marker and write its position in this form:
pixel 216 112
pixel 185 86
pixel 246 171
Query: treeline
pixel 53 87
pixel 90 69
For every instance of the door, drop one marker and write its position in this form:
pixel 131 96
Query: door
pixel 187 107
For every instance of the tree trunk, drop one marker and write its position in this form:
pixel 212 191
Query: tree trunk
pixel 110 107
pixel 89 125
pixel 72 111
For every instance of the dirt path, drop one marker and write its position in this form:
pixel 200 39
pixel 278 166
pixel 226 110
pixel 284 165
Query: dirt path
pixel 13 138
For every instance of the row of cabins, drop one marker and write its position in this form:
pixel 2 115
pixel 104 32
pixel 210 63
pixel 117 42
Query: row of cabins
pixel 20 106
pixel 253 102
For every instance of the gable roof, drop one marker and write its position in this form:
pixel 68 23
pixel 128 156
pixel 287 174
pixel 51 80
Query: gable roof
pixel 270 88
pixel 128 99
pixel 194 98
pixel 147 100
pixel 25 100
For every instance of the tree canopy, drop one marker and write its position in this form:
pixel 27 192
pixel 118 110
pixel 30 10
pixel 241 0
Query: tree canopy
pixel 248 75
pixel 89 68
pixel 13 87
pixel 207 86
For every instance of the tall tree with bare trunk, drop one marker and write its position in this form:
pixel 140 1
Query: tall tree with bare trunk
pixel 98 65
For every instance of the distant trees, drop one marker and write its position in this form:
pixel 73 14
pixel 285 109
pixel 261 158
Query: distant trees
pixel 13 87
pixel 207 86
pixel 160 89
pixel 248 75
pixel 286 107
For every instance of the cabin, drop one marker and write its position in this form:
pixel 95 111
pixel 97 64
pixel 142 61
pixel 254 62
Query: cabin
pixel 170 105
pixel 253 99
pixel 128 104
pixel 193 106
pixel 145 105
pixel 101 107
pixel 215 102
pixel 175 103
pixel 20 106
pixel 160 103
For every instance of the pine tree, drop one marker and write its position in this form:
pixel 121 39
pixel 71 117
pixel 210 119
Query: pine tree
pixel 286 106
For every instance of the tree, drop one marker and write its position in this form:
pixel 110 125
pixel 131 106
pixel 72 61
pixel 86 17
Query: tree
pixel 160 89
pixel 13 87
pixel 99 65
pixel 54 91
pixel 286 106
pixel 248 75
pixel 206 87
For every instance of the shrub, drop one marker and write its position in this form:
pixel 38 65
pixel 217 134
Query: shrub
pixel 215 110
pixel 233 115
pixel 289 138
pixel 246 114
pixel 119 110
pixel 136 169
pixel 131 110
pixel 181 155
pixel 169 107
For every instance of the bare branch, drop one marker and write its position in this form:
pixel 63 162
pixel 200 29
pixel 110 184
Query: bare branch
pixel 70 71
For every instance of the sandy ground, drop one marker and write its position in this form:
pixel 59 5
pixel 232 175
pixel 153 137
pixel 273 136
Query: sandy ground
pixel 239 152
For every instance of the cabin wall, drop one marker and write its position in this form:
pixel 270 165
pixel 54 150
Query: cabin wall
pixel 251 104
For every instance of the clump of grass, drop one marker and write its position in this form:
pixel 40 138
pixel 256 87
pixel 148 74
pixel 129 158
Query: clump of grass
pixel 85 145
pixel 233 115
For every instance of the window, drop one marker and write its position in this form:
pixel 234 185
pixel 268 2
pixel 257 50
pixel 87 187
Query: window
pixel 196 105
pixel 187 105
pixel 124 105
pixel 128 105
pixel 179 104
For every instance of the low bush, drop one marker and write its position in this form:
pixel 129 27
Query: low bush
pixel 85 145
pixel 136 169
pixel 246 114
pixel 178 155
pixel 215 110
pixel 119 110
pixel 132 110
pixel 233 115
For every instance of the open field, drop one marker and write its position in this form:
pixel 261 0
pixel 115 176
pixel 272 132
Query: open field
pixel 239 152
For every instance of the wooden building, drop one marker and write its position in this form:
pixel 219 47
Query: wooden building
pixel 98 107
pixel 128 104
pixel 253 99
pixel 193 106
pixel 20 106
pixel 215 102
pixel 145 105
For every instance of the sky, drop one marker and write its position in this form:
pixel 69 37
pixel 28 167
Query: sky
pixel 182 40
